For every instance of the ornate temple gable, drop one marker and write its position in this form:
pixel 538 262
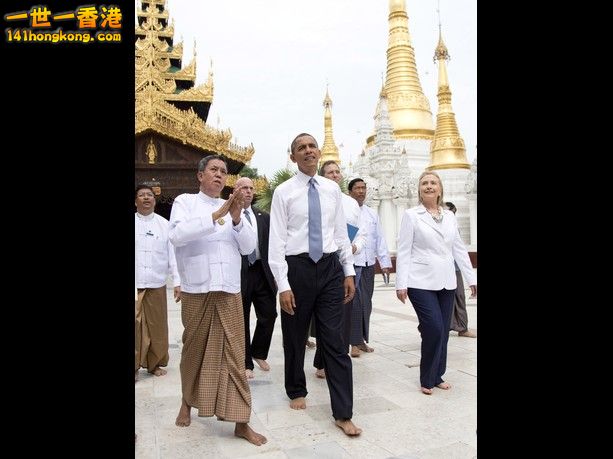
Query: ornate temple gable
pixel 160 152
pixel 167 101
pixel 187 73
pixel 153 113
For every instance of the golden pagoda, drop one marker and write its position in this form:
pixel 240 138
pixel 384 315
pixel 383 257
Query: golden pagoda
pixel 409 109
pixel 329 150
pixel 171 112
pixel 447 150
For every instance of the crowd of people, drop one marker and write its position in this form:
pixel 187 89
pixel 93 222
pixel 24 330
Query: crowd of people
pixel 316 250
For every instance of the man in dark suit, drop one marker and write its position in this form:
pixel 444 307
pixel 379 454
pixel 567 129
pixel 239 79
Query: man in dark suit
pixel 257 285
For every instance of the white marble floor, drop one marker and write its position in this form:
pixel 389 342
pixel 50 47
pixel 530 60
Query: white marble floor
pixel 398 421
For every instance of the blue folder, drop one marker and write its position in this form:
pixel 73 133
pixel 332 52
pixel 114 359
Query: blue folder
pixel 352 231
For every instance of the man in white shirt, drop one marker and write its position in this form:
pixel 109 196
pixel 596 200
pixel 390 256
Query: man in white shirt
pixel 210 236
pixel 154 261
pixel 375 248
pixel 257 284
pixel 357 235
pixel 307 227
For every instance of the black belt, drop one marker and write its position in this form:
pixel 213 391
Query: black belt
pixel 306 255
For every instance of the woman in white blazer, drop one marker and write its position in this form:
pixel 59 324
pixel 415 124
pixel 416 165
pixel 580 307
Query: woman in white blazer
pixel 428 244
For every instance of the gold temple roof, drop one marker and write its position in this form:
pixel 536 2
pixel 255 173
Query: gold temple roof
pixel 409 109
pixel 167 100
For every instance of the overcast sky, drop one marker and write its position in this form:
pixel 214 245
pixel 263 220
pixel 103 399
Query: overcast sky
pixel 273 58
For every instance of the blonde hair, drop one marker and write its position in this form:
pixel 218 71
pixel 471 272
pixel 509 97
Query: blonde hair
pixel 439 201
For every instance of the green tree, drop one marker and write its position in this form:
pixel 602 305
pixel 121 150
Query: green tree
pixel 264 200
pixel 251 172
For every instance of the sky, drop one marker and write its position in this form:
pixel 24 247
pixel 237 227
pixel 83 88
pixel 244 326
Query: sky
pixel 272 60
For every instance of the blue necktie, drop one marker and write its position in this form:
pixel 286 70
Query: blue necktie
pixel 251 256
pixel 315 237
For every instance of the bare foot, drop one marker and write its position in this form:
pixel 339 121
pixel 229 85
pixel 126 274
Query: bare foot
pixel 355 352
pixel 348 427
pixel 184 417
pixel 444 386
pixel 249 374
pixel 298 403
pixel 158 371
pixel 467 334
pixel 426 391
pixel 263 364
pixel 243 430
pixel 310 344
pixel 321 373
pixel 365 348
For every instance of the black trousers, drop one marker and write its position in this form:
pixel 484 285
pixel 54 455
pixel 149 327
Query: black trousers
pixel 257 291
pixel 318 291
pixel 348 310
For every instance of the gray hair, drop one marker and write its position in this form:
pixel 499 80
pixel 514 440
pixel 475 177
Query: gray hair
pixel 204 161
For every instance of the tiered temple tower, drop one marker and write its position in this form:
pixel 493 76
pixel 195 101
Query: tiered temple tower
pixel 447 151
pixel 405 142
pixel 171 112
pixel 329 150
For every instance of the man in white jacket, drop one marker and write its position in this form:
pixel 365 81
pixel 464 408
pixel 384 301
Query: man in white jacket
pixel 154 261
pixel 210 235
pixel 357 235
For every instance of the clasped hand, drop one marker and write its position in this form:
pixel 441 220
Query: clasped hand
pixel 233 205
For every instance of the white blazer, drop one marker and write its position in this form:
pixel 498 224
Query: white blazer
pixel 426 251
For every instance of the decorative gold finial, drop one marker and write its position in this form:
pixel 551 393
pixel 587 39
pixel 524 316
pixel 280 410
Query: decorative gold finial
pixel 329 150
pixel 447 150
pixel 409 109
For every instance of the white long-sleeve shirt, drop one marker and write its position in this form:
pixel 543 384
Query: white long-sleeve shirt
pixel 351 208
pixel 208 254
pixel 375 242
pixel 289 224
pixel 155 255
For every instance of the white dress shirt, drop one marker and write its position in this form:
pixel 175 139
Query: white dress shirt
pixel 155 255
pixel 254 224
pixel 208 254
pixel 351 208
pixel 289 224
pixel 375 242
pixel 426 251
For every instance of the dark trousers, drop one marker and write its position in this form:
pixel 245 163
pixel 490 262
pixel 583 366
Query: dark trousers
pixel 459 317
pixel 318 291
pixel 362 306
pixel 433 310
pixel 257 291
pixel 348 309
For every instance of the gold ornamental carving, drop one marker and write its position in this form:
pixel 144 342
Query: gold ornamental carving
pixel 156 89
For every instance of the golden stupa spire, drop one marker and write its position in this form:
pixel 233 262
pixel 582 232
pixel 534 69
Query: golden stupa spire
pixel 447 150
pixel 409 108
pixel 329 150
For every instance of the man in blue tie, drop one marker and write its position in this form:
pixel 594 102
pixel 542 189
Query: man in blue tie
pixel 257 284
pixel 307 227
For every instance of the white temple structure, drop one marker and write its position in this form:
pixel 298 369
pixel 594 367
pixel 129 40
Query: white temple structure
pixel 405 141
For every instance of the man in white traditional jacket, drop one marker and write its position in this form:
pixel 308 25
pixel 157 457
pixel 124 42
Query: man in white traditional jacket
pixel 375 248
pixel 357 235
pixel 155 260
pixel 210 235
